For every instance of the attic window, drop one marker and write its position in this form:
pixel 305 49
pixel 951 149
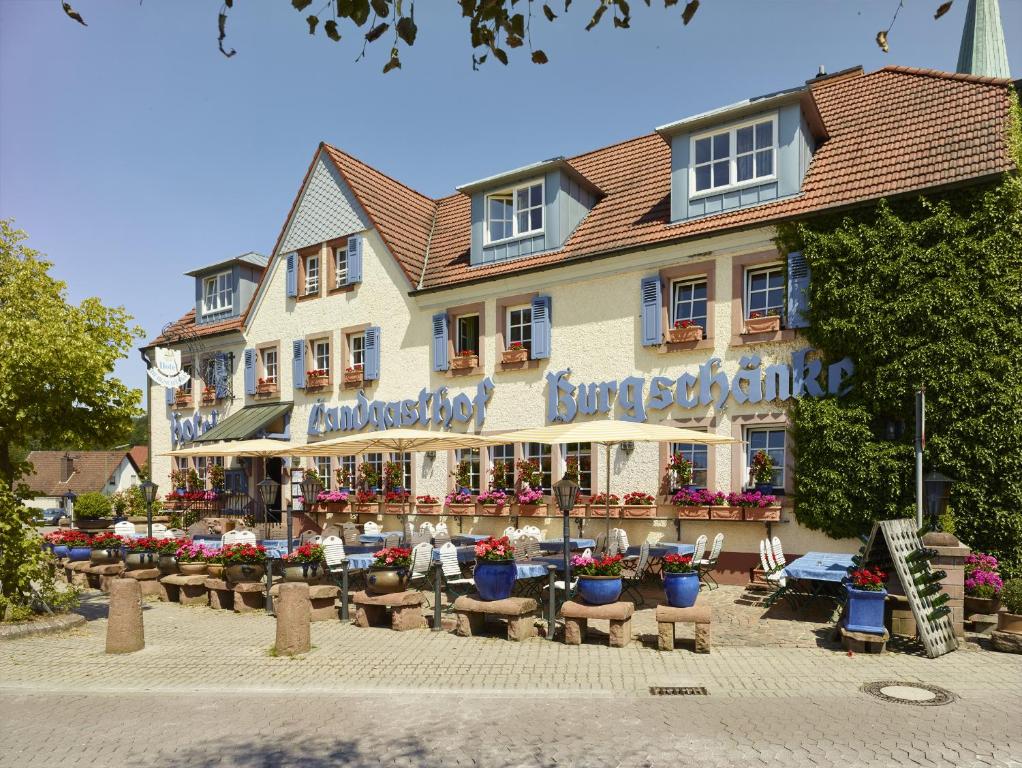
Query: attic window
pixel 217 293
pixel 744 154
pixel 514 212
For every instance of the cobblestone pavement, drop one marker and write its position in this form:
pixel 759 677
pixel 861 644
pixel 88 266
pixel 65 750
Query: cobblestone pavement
pixel 205 691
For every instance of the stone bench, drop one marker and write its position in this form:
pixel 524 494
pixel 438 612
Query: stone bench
pixel 667 618
pixel 148 579
pixel 864 642
pixel 471 612
pixel 221 595
pixel 187 590
pixel 577 615
pixel 405 610
pixel 76 572
pixel 249 596
pixel 100 576
pixel 322 600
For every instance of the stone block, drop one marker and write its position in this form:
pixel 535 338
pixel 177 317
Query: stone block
pixel 294 621
pixel 124 630
pixel 75 573
pixel 221 596
pixel 249 596
pixel 100 576
pixel 864 642
pixel 575 631
pixel 322 600
pixel 186 590
pixel 576 617
pixel 613 611
pixel 667 619
pixel 471 612
pixel 1006 642
pixel 405 610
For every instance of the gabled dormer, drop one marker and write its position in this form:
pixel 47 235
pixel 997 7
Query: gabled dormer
pixel 742 155
pixel 224 289
pixel 528 210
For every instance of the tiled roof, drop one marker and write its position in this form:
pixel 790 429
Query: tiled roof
pixel 91 471
pixel 139 454
pixel 187 328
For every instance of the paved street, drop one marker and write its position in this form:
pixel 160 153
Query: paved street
pixel 206 692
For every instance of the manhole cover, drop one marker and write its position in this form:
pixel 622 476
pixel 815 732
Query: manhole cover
pixel 909 693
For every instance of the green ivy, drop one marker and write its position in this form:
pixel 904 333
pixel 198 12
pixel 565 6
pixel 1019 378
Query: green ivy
pixel 921 291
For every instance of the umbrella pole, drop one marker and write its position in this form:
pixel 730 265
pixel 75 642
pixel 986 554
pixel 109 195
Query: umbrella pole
pixel 606 493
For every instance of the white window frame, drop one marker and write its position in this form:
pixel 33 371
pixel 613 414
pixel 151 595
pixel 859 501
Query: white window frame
pixel 474 456
pixel 541 183
pixel 540 452
pixel 508 341
pixel 747 293
pixel 315 344
pixel 733 182
pixel 688 450
pixel 361 353
pixel 186 388
pixel 326 476
pixel 780 468
pixel 340 272
pixel 405 460
pixel 349 463
pixel 268 364
pixel 691 280
pixel 311 281
pixel 579 452
pixel 457 332
pixel 502 449
pixel 223 291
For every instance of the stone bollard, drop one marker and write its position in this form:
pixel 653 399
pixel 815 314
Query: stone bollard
pixel 294 619
pixel 124 630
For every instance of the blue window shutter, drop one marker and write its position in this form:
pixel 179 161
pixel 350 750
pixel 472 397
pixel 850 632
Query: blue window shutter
pixel 798 290
pixel 298 364
pixel 169 391
pixel 221 375
pixel 540 327
pixel 250 371
pixel 292 274
pixel 371 371
pixel 652 316
pixel 354 259
pixel 440 362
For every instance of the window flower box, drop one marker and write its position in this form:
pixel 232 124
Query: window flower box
pixel 465 361
pixel 353 376
pixel 330 506
pixel 760 323
pixel 531 510
pixel 365 508
pixel 725 513
pixel 266 387
pixel 765 514
pixel 685 330
pixel 514 355
pixel 427 509
pixel 317 379
pixel 466 510
pixel 692 513
pixel 599 510
pixel 182 399
pixel 638 510
pixel 208 396
pixel 579 510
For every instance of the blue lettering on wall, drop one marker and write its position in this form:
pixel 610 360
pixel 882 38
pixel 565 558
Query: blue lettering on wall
pixel 184 429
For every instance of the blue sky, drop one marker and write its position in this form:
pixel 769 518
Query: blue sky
pixel 132 151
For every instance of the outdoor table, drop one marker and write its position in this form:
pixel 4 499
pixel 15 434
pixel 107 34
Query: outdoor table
pixel 821 574
pixel 357 561
pixel 377 538
pixel 469 538
pixel 275 548
pixel 557 545
pixel 201 538
pixel 361 549
pixel 530 569
pixel 662 549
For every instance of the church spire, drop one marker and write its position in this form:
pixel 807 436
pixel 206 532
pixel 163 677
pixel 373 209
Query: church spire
pixel 983 51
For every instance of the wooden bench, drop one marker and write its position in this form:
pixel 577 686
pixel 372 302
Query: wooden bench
pixel 187 590
pixel 667 618
pixel 471 612
pixel 148 579
pixel 100 576
pixel 322 600
pixel 405 610
pixel 576 617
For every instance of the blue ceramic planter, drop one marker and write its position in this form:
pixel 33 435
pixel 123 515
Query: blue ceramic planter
pixel 79 553
pixel 865 610
pixel 681 589
pixel 599 590
pixel 61 550
pixel 495 579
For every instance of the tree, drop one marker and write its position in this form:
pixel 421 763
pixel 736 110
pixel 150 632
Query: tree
pixel 56 362
pixel 494 25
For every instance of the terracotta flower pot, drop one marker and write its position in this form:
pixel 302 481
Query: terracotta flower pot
pixel 692 513
pixel 725 513
pixel 366 509
pixel 317 382
pixel 680 335
pixel 353 378
pixel 1009 622
pixel 768 324
pixel 192 569
pixel 532 510
pixel 464 362
pixel 396 509
pixel 579 510
pixel 492 510
pixel 427 509
pixel 216 570
pixel 984 606
pixel 638 510
pixel 461 509
pixel 514 355
pixel 598 510
pixel 771 514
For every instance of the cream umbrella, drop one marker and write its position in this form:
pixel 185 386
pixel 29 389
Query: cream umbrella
pixel 258 448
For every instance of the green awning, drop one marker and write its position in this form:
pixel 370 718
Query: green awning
pixel 245 423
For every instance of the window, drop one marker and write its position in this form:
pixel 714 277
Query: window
pixel 186 388
pixel 519 326
pixel 541 454
pixel 270 364
pixel 733 157
pixel 696 455
pixel 502 466
pixel 322 465
pixel 200 468
pixel 405 460
pixel 467 337
pixel 471 456
pixel 375 460
pixel 581 454
pixel 357 349
pixel 340 267
pixel 764 291
pixel 311 274
pixel 347 466
pixel 514 213
pixel 773 442
pixel 217 293
pixel 321 354
pixel 688 301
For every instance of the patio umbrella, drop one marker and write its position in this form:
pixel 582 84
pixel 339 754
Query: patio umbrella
pixel 608 433
pixel 262 448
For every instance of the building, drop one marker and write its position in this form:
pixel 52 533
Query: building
pixel 55 473
pixel 550 292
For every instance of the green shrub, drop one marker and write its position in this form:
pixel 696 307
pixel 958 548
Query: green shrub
pixel 1011 595
pixel 93 506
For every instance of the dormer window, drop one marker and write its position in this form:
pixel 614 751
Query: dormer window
pixel 741 155
pixel 217 293
pixel 514 212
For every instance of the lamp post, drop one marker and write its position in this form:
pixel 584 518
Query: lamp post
pixel 268 488
pixel 938 490
pixel 69 506
pixel 149 489
pixel 311 486
pixel 566 493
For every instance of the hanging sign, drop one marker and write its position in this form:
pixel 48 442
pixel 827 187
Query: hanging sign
pixel 167 371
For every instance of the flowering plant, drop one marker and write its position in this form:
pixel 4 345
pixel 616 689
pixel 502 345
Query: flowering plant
pixel 268 380
pixel 365 497
pixel 529 473
pixel 868 579
pixel 332 497
pixel 458 498
pixel 427 499
pixel 495 550
pixel 686 497
pixel 493 498
pixel 343 476
pixel 192 496
pixel 503 474
pixel 755 315
pixel 353 368
pixel 307 553
pixel 571 469
pixel 466 353
pixel 145 544
pixel 243 554
pixel 393 557
pixel 106 541
pixel 683 323
pixel 317 373
pixel 639 499
pixel 396 497
pixel 602 499
pixel 515 346
pixel 391 474
pixel 762 468
pixel 529 496
pixel 590 566
pixel 194 552
pixel 678 564
pixel 981 576
pixel 216 476
pixel 71 538
pixel 170 546
pixel 54 537
pixel 751 499
pixel 681 467
pixel 368 475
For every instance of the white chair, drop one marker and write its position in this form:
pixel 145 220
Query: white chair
pixel 455 583
pixel 613 543
pixel 331 529
pixel 511 533
pixel 654 537
pixel 559 584
pixel 372 528
pixel 124 528
pixel 159 529
pixel 441 528
pixel 231 537
pixel 774 574
pixel 697 555
pixel 622 541
pixel 333 555
pixel 633 581
pixel 532 530
pixel 427 527
pixel 705 565
pixel 422 559
pixel 246 537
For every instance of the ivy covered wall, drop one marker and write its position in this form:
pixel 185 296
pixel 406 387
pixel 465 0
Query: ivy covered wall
pixel 921 291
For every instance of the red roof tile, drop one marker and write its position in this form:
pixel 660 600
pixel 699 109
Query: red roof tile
pixel 186 328
pixel 91 470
